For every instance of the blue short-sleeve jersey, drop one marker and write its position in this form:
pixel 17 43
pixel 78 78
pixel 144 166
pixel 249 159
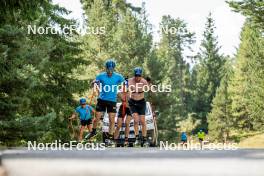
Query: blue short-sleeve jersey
pixel 109 85
pixel 84 113
pixel 183 136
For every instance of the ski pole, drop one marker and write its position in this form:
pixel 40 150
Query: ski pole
pixel 124 104
pixel 71 126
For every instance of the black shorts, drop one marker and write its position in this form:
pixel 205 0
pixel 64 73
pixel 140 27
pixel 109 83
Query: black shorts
pixel 184 141
pixel 200 139
pixel 137 106
pixel 120 112
pixel 86 122
pixel 104 105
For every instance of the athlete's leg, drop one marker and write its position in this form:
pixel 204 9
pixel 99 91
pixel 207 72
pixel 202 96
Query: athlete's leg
pixel 100 108
pixel 96 121
pixel 134 110
pixel 136 123
pixel 119 125
pixel 111 116
pixel 144 130
pixel 81 132
pixel 127 122
pixel 142 111
pixel 89 125
pixel 186 144
pixel 119 122
pixel 90 128
pixel 127 128
pixel 144 125
pixel 201 143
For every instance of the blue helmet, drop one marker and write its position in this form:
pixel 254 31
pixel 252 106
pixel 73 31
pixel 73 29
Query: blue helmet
pixel 110 64
pixel 138 71
pixel 82 101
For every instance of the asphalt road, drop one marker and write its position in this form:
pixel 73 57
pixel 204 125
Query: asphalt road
pixel 133 161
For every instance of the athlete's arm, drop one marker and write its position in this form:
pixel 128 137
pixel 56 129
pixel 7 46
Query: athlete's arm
pixel 92 109
pixel 121 79
pixel 96 84
pixel 119 95
pixel 73 116
pixel 129 85
pixel 148 79
pixel 96 87
pixel 146 83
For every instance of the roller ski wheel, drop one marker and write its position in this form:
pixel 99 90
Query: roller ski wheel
pixel 137 143
pixel 146 144
pixel 126 144
pixel 110 143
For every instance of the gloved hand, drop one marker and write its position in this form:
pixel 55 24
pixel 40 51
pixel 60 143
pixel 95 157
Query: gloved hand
pixel 95 82
pixel 148 78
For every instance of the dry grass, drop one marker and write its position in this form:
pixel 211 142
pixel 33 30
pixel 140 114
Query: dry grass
pixel 256 141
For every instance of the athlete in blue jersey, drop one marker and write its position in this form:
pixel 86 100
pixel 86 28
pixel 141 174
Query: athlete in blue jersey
pixel 85 114
pixel 184 139
pixel 108 84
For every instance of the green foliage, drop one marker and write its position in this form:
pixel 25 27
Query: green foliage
pixel 37 71
pixel 247 84
pixel 252 9
pixel 42 75
pixel 126 37
pixel 173 70
pixel 41 129
pixel 238 104
pixel 220 118
pixel 208 72
pixel 190 124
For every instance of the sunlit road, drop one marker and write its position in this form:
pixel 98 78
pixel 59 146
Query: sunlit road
pixel 133 161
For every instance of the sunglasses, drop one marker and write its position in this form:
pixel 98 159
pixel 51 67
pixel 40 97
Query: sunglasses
pixel 110 69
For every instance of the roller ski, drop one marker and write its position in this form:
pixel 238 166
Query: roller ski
pixel 137 143
pixel 90 140
pixel 90 137
pixel 146 144
pixel 110 143
pixel 126 144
